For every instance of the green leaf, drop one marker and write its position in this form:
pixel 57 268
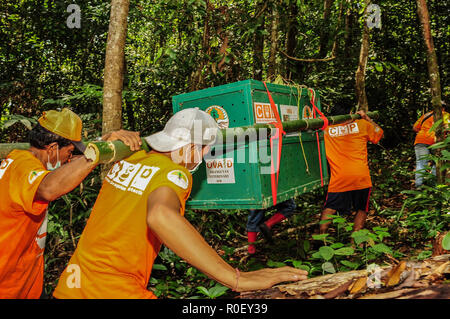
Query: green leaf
pixel 382 248
pixel 159 267
pixel 217 291
pixel 326 252
pixel 344 251
pixel 446 242
pixel 275 264
pixel 304 267
pixel 296 263
pixel 378 67
pixel 361 236
pixel 350 264
pixel 317 255
pixel 319 237
pixel 337 245
pixel 203 290
pixel 328 267
pixel 424 254
pixel 26 123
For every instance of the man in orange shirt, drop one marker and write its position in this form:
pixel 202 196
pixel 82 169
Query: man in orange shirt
pixel 29 180
pixel 350 182
pixel 140 207
pixel 423 140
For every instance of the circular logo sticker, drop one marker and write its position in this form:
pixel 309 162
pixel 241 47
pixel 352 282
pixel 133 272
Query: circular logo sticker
pixel 178 178
pixel 219 114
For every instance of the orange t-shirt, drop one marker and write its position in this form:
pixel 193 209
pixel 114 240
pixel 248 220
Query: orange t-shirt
pixel 346 150
pixel 115 254
pixel 424 136
pixel 23 226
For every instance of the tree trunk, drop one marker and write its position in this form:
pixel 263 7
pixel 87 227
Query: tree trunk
pixel 114 69
pixel 361 71
pixel 291 38
pixel 325 34
pixel 258 44
pixel 272 63
pixel 197 80
pixel 335 48
pixel 114 66
pixel 348 31
pixel 433 73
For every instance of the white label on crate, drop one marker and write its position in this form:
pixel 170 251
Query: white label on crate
pixel 288 113
pixel 263 113
pixel 220 171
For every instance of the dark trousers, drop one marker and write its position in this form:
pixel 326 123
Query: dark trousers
pixel 256 216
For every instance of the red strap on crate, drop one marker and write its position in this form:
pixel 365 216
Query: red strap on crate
pixel 325 124
pixel 279 132
pixel 322 116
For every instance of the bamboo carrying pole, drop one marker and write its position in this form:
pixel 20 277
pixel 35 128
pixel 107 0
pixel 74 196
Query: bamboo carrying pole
pixel 108 152
pixel 297 125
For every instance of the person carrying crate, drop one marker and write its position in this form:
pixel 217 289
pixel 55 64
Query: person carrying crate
pixel 139 208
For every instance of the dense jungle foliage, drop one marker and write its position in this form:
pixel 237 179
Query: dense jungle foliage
pixel 178 46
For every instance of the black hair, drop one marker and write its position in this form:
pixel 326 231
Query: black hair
pixel 40 137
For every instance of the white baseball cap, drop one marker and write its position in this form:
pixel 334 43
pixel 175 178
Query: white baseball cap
pixel 185 127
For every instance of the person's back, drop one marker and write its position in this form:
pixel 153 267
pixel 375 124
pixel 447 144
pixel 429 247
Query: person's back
pixel 346 151
pixel 116 251
pixel 423 128
pixel 22 227
pixel 350 183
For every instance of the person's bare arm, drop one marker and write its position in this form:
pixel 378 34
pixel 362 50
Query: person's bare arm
pixel 364 116
pixel 70 175
pixel 174 231
pixel 64 179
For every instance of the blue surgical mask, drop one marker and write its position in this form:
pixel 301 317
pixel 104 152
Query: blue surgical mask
pixel 50 166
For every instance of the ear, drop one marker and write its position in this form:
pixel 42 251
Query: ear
pixel 51 147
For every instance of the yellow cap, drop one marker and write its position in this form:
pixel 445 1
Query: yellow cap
pixel 65 123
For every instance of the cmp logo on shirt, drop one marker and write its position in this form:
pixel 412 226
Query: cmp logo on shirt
pixel 343 130
pixel 131 177
pixel 34 175
pixel 178 178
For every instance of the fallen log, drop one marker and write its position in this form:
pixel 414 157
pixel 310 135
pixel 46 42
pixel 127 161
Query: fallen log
pixel 407 279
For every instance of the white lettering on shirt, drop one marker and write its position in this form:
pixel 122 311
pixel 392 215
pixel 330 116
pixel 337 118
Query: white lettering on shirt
pixel 343 130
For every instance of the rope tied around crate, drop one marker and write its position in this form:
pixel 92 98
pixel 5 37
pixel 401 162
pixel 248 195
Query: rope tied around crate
pixel 279 133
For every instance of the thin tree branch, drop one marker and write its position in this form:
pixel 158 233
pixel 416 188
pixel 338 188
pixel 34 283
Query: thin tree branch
pixel 309 60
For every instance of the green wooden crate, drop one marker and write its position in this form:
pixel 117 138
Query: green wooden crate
pixel 237 175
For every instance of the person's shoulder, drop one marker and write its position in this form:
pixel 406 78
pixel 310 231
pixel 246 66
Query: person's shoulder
pixel 21 154
pixel 24 157
pixel 168 170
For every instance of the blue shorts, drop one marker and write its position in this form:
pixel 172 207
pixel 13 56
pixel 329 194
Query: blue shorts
pixel 346 202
